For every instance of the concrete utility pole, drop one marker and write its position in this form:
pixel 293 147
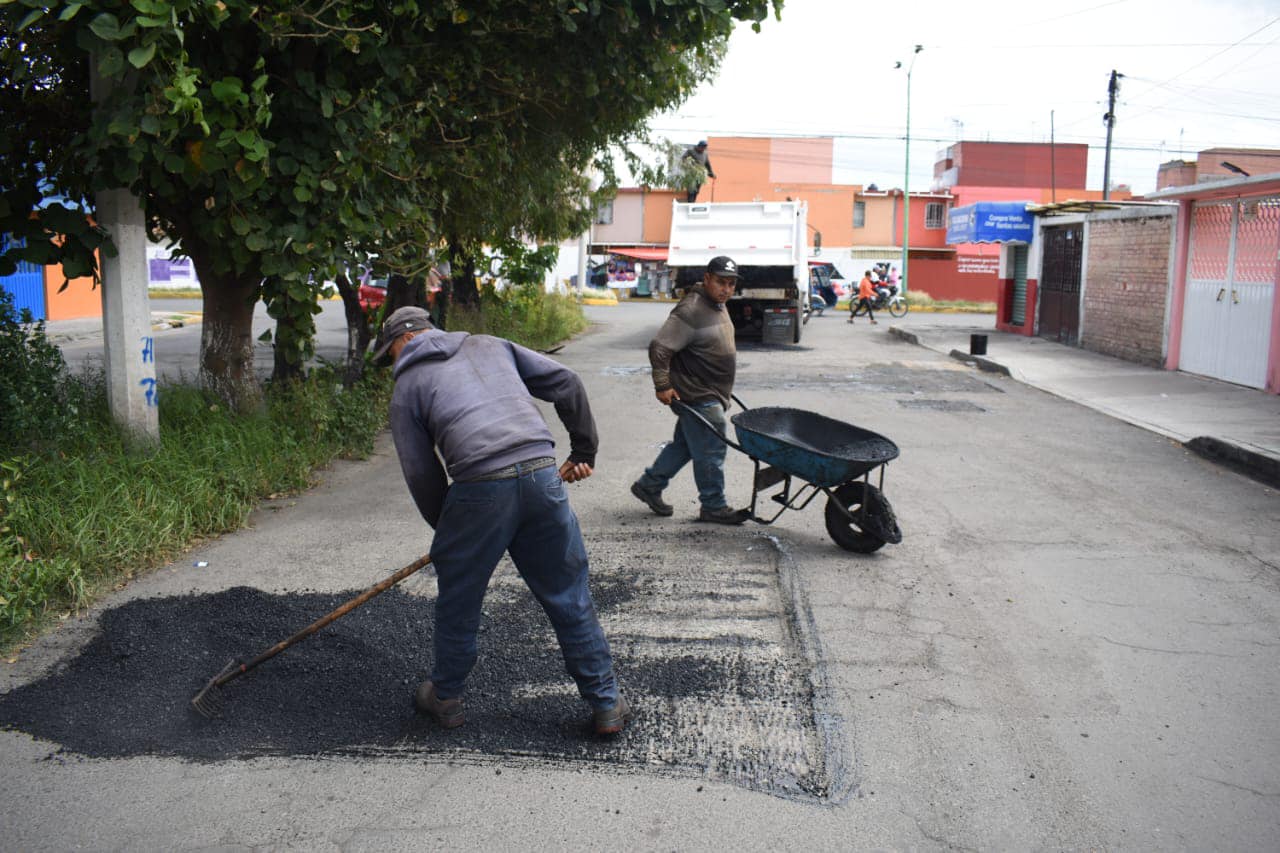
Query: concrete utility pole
pixel 1113 88
pixel 129 350
pixel 128 347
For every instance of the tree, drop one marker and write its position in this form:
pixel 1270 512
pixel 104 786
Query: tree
pixel 275 140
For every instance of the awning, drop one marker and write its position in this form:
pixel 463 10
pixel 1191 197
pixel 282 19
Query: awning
pixel 641 253
pixel 990 222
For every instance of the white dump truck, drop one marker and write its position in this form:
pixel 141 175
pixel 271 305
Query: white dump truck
pixel 768 241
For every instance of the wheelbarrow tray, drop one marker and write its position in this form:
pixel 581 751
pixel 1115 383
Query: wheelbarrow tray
pixel 813 447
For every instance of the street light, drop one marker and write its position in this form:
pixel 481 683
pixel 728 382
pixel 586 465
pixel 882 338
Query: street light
pixel 906 177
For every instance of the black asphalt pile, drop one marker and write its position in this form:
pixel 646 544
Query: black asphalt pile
pixel 348 689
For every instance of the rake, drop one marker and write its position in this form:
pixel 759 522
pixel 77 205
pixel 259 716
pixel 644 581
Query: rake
pixel 209 701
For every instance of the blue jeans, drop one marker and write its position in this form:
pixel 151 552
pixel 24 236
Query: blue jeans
pixel 692 441
pixel 530 517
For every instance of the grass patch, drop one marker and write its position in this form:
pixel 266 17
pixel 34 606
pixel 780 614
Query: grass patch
pixel 85 511
pixel 526 315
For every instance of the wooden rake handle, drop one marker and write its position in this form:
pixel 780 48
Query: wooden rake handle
pixel 338 613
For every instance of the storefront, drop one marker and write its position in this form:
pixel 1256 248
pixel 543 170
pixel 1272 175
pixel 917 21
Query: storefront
pixel 1010 226
pixel 638 270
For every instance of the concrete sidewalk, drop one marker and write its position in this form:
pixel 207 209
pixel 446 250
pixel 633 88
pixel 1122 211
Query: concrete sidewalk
pixel 1230 424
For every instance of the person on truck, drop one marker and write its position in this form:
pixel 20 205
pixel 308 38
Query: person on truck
pixel 698 154
pixel 694 359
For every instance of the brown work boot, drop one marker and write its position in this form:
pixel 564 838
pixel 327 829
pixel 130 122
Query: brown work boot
pixel 446 712
pixel 652 499
pixel 724 515
pixel 610 721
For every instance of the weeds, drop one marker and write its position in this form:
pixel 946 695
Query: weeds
pixel 524 314
pixel 78 517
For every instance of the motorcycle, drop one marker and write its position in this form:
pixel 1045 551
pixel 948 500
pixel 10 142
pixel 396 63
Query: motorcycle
pixel 887 299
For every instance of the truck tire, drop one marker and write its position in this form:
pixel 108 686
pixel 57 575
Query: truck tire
pixel 799 323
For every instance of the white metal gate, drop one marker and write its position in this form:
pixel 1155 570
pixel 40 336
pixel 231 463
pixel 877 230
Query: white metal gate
pixel 1231 281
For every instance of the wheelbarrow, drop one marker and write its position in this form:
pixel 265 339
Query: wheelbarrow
pixel 810 454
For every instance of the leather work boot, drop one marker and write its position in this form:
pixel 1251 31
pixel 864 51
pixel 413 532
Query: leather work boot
pixel 446 712
pixel 652 498
pixel 724 515
pixel 610 721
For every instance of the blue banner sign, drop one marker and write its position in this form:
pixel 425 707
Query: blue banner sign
pixel 990 222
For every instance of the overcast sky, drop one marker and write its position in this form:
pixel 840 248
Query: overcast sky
pixel 1197 75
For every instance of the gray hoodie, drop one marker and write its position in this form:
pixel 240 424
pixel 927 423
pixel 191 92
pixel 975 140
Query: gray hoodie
pixel 470 397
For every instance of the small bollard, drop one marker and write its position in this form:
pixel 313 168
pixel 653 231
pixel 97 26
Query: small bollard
pixel 977 345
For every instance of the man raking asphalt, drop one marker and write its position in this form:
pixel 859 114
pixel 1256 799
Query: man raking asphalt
pixel 464 404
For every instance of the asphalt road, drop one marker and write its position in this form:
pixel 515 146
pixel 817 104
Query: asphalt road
pixel 1073 647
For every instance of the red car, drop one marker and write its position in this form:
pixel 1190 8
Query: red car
pixel 373 292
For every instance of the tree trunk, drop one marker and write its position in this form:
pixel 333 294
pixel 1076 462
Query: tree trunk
pixel 226 340
pixel 293 334
pixel 463 289
pixel 358 332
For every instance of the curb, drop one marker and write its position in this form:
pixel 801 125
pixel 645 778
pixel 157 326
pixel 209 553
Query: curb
pixel 982 363
pixel 1257 466
pixel 1260 467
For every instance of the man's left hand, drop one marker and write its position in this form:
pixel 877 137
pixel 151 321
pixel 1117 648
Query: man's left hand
pixel 572 472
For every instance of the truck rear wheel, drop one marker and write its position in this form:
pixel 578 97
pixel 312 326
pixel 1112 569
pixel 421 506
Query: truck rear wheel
pixel 798 324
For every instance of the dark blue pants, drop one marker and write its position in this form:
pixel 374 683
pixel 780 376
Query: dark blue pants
pixel 530 517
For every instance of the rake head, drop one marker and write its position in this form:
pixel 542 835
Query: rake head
pixel 208 702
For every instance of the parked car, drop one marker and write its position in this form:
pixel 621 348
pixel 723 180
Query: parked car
pixel 373 292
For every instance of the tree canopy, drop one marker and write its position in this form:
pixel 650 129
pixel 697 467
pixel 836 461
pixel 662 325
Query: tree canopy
pixel 276 140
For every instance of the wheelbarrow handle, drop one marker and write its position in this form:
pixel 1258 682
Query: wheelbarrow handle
pixel 717 433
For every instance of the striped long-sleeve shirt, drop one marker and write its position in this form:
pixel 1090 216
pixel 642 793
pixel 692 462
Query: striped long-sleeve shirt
pixel 694 351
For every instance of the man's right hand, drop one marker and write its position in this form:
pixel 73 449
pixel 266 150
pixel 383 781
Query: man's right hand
pixel 666 397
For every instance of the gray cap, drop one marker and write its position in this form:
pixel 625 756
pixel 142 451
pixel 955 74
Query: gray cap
pixel 402 320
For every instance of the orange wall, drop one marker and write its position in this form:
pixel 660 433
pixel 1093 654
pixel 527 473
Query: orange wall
pixel 657 214
pixel 80 299
pixel 881 227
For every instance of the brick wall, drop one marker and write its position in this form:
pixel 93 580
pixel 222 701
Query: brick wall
pixel 1126 281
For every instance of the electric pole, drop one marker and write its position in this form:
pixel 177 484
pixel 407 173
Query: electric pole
pixel 1110 120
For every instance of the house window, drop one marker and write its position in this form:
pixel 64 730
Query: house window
pixel 604 214
pixel 859 214
pixel 935 215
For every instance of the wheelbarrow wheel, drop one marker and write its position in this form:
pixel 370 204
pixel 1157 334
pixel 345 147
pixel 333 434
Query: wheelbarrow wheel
pixel 879 525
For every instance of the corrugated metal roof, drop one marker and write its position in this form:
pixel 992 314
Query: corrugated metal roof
pixel 1087 206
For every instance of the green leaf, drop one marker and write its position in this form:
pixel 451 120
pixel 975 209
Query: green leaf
pixel 111 62
pixel 70 12
pixel 240 225
pixel 31 17
pixel 105 26
pixel 256 242
pixel 140 56
pixel 265 337
pixel 329 185
pixel 227 89
pixel 302 194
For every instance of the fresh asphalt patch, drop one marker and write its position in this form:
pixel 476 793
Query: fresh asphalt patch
pixel 717 663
